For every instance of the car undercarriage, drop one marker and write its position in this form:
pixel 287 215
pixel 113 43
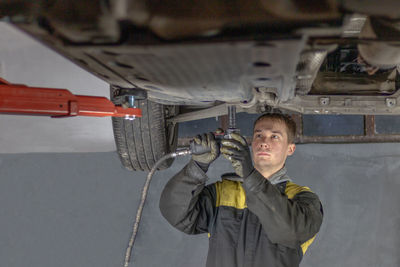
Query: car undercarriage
pixel 188 60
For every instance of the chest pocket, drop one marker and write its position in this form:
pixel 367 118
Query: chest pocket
pixel 230 194
pixel 230 203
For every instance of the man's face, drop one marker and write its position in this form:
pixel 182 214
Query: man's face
pixel 270 146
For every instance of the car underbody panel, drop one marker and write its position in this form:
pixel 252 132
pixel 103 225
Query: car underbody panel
pixel 199 74
pixel 325 57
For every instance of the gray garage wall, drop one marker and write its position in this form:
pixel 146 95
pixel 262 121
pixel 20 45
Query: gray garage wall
pixel 25 61
pixel 77 209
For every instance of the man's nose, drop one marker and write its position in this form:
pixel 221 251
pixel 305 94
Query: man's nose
pixel 264 143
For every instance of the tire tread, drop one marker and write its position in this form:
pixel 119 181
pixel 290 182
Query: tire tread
pixel 141 142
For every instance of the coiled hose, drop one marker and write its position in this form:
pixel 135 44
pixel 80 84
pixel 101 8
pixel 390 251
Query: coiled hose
pixel 135 228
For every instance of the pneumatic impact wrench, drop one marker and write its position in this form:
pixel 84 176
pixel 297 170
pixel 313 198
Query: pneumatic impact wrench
pixel 197 149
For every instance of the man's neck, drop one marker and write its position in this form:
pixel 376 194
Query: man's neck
pixel 267 172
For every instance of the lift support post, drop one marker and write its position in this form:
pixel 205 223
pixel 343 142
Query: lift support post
pixel 19 99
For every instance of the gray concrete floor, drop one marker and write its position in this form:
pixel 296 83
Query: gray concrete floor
pixel 77 209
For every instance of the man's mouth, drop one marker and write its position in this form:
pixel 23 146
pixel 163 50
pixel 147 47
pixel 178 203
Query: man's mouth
pixel 263 154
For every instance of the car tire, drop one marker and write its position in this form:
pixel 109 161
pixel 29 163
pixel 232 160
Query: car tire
pixel 143 141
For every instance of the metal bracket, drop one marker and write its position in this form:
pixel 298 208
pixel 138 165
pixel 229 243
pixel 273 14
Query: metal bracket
pixel 214 111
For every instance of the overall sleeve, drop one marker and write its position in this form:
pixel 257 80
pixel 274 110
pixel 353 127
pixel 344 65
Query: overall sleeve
pixel 288 222
pixel 186 203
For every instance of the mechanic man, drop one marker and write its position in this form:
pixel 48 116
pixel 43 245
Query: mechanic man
pixel 261 218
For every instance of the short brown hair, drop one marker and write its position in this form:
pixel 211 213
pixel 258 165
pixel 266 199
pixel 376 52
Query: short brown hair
pixel 286 119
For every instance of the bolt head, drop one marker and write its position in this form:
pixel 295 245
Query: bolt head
pixel 390 102
pixel 130 118
pixel 324 101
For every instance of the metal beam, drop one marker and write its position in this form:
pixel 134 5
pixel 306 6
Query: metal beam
pixel 370 135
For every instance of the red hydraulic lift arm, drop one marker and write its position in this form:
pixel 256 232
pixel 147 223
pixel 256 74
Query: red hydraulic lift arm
pixel 21 99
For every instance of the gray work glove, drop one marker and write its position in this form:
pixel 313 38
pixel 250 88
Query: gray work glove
pixel 208 141
pixel 237 151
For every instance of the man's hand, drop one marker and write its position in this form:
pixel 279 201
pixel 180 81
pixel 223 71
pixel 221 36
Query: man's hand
pixel 207 141
pixel 237 151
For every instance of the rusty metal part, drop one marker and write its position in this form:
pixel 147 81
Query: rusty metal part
pixel 224 121
pixel 369 125
pixel 331 83
pixel 23 100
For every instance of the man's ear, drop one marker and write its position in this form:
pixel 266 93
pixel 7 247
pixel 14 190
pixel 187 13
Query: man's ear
pixel 291 149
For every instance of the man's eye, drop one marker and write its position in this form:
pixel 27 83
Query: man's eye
pixel 275 136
